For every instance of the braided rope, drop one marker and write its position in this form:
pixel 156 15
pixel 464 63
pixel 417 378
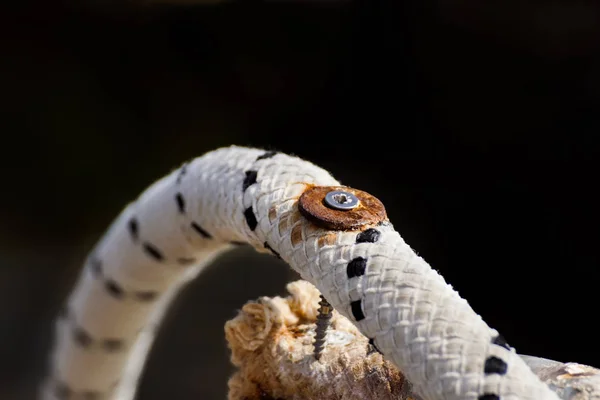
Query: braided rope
pixel 232 195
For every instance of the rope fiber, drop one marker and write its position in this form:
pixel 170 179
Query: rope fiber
pixel 237 195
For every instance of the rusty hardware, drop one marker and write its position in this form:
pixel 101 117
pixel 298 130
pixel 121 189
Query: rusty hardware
pixel 368 211
pixel 323 323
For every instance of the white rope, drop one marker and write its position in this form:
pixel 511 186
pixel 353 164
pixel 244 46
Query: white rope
pixel 236 194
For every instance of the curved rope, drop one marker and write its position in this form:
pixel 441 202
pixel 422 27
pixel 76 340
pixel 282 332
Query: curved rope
pixel 233 195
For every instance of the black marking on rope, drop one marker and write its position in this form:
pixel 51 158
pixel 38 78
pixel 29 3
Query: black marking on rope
pixel 266 155
pixel 186 260
pixel 81 337
pixel 494 365
pixel 238 243
pixel 489 396
pixel 268 247
pixel 133 229
pixel 153 252
pixel 250 218
pixel 373 346
pixel 201 231
pixel 500 341
pixel 357 310
pixel 182 172
pixel 96 267
pixel 368 236
pixel 180 203
pixel 249 180
pixel 114 289
pixel 62 391
pixel 146 296
pixel 112 345
pixel 356 267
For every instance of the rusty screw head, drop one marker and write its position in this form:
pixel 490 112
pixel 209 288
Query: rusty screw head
pixel 341 208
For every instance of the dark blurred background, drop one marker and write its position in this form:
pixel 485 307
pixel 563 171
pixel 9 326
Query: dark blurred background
pixel 475 123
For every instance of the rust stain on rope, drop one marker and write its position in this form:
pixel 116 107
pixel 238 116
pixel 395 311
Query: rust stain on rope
pixel 370 210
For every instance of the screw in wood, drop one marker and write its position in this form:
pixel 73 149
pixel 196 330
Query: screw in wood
pixel 323 323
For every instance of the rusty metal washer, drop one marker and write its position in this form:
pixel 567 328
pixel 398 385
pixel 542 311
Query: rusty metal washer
pixel 369 211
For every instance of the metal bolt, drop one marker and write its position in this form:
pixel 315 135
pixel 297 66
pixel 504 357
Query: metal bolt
pixel 340 208
pixel 323 322
pixel 341 200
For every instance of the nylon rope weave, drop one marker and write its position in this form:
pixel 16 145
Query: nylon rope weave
pixel 236 194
